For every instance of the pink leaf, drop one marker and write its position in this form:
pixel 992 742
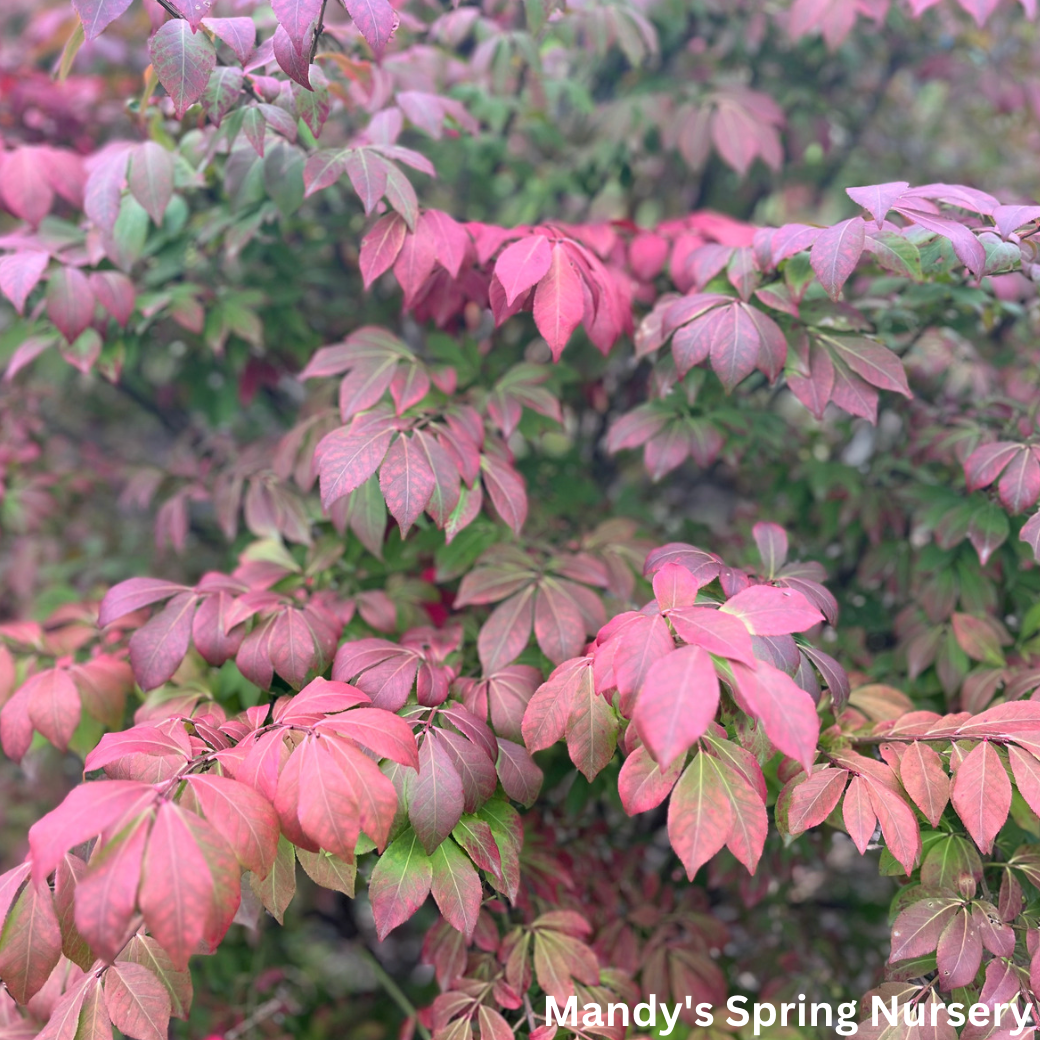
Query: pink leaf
pixel 878 199
pixel 523 264
pixel 96 15
pixel 376 20
pixel 19 274
pixel 770 611
pixel 787 712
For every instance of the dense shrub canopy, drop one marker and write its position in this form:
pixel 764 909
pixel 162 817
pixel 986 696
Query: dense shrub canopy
pixel 577 462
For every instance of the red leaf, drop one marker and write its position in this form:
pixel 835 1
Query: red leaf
pixel 836 252
pixel 435 797
pixel 987 462
pixel 416 260
pixel 858 813
pixel 379 731
pixel 521 778
pixel 747 836
pixel 375 794
pixel 183 61
pixel 959 952
pixel 559 302
pixel 545 719
pixel 700 815
pixel 453 243
pixel 640 645
pixel 558 624
pixel 327 808
pixel 642 784
pixel 507 490
pixel 898 823
pixel 981 794
pixel 54 705
pixel 925 780
pixel 734 345
pixel 245 820
pixel 592 730
pixel 24 188
pixel 407 481
pixel 815 389
pixel 507 631
pixel 677 702
pixel 771 540
pixel 872 361
pixel 675 586
pixel 176 886
pixel 348 456
pixel 1026 770
pixel 115 292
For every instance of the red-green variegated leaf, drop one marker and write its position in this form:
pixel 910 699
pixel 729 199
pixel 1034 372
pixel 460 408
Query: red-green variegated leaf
pixel 137 1002
pixel 30 942
pixel 400 882
pixel 700 814
pixel 456 887
pixel 183 61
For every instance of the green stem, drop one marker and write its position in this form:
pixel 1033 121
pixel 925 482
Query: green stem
pixel 395 992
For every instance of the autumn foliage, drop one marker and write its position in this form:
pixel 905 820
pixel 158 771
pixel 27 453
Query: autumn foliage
pixel 562 478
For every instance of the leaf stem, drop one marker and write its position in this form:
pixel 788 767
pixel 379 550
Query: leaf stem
pixel 393 990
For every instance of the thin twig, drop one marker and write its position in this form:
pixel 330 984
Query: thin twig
pixel 393 990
